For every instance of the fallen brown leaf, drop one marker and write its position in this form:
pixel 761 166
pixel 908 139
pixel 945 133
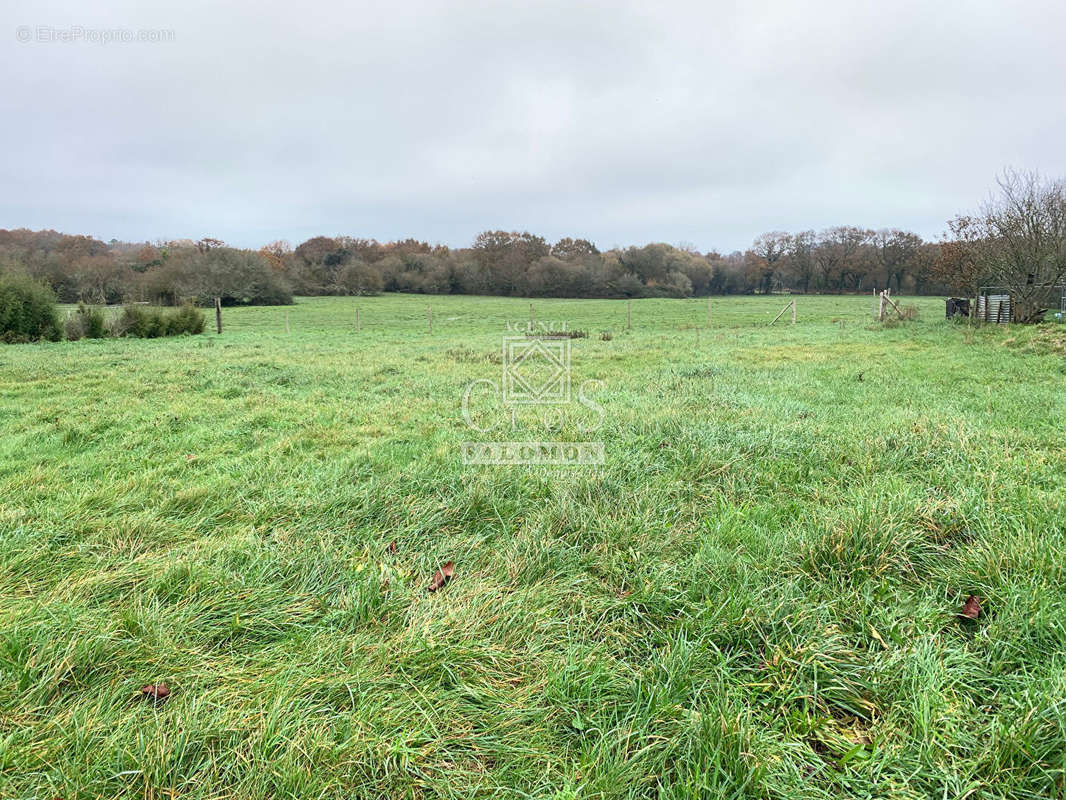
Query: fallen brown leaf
pixel 156 692
pixel 442 576
pixel 392 547
pixel 971 609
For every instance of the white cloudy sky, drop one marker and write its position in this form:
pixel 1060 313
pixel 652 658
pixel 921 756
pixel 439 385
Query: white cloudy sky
pixel 625 122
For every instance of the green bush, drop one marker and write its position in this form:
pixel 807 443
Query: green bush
pixel 187 319
pixel 147 323
pixel 92 321
pixel 27 310
pixel 129 323
pixel 140 322
pixel 73 330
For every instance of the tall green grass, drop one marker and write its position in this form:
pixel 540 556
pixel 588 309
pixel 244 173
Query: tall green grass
pixel 755 596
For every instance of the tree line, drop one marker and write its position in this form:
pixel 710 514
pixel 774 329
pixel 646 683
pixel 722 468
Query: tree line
pixel 81 269
pixel 1017 240
pixel 510 263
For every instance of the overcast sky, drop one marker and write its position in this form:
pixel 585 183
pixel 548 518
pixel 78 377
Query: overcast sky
pixel 696 122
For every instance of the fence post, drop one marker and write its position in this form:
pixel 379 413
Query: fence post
pixel 358 326
pixel 286 320
pixel 629 315
pixel 429 312
pixel 218 314
pixel 781 313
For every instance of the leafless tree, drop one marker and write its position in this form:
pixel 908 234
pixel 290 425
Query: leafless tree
pixel 896 253
pixel 1017 240
pixel 839 255
pixel 770 248
pixel 801 258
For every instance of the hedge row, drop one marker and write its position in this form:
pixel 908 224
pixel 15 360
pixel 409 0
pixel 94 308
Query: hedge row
pixel 28 313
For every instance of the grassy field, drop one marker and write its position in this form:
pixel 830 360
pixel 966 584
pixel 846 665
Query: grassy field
pixel 755 596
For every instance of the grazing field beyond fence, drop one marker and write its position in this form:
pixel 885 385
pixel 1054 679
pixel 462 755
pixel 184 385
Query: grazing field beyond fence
pixel 756 594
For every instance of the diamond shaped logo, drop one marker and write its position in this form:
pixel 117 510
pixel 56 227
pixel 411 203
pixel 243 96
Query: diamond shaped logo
pixel 536 371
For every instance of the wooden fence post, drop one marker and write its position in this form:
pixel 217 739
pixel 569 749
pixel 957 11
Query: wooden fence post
pixel 886 299
pixel 218 314
pixel 286 320
pixel 781 313
pixel 429 312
